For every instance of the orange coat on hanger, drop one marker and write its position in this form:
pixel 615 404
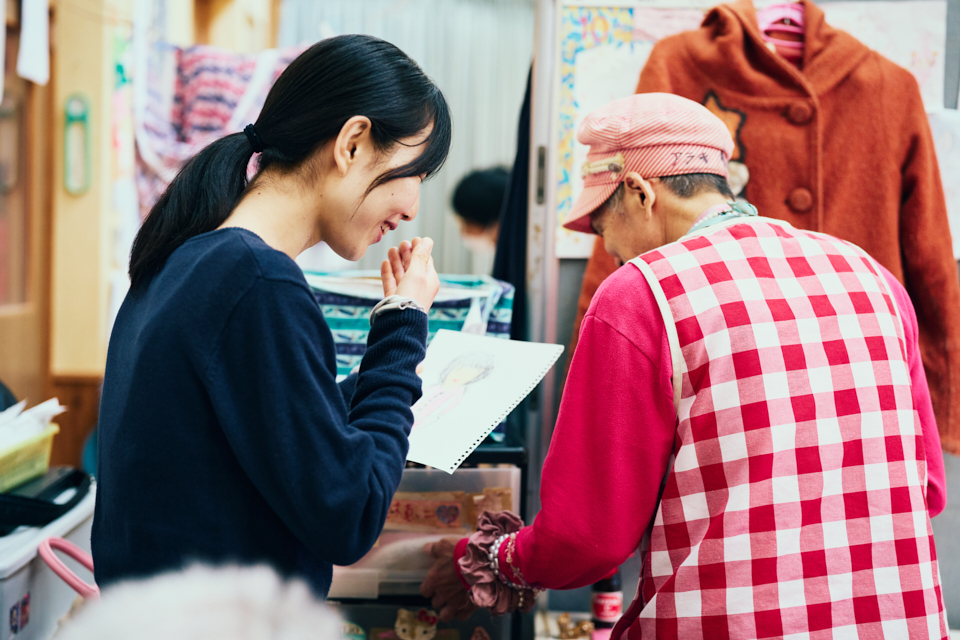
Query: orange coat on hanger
pixel 840 146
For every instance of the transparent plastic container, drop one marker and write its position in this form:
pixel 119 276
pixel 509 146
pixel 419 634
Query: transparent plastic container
pixel 398 563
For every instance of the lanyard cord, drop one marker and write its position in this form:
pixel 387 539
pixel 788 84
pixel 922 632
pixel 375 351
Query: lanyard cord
pixel 733 210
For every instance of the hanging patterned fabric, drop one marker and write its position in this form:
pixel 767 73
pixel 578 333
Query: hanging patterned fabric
pixel 190 97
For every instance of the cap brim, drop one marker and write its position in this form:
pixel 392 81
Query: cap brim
pixel 589 200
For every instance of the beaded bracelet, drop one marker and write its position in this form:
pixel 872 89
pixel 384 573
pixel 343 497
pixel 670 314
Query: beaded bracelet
pixel 480 566
pixel 515 569
pixel 494 557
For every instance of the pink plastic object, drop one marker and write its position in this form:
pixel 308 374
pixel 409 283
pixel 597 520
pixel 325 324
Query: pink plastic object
pixel 792 11
pixel 86 590
pixel 769 20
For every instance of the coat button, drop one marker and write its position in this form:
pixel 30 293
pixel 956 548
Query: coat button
pixel 800 200
pixel 799 113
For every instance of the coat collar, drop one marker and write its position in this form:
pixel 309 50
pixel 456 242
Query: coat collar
pixel 829 55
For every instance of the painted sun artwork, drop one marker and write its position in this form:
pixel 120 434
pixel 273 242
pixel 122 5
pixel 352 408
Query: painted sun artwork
pixel 602 50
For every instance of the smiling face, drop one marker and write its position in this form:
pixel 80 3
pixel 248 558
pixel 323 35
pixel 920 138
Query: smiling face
pixel 348 218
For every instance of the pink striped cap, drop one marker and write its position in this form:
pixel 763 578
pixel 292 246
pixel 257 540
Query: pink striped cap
pixel 654 134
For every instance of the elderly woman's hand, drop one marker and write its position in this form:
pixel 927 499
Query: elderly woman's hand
pixel 442 584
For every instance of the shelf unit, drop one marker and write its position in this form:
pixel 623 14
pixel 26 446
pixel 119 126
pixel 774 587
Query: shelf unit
pixel 512 452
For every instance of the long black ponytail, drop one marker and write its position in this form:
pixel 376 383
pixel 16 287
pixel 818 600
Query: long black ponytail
pixel 313 98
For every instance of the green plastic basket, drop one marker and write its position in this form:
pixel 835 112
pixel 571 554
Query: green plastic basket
pixel 26 460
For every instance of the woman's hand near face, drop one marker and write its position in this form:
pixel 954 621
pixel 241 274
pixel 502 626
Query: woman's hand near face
pixel 408 271
pixel 393 268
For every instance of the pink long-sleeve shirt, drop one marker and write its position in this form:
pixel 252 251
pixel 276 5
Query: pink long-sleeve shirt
pixel 614 436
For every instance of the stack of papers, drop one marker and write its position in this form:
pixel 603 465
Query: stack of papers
pixel 17 425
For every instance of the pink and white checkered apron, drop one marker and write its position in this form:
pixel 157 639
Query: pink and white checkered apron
pixel 796 503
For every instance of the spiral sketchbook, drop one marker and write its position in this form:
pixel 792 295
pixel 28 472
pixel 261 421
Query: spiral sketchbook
pixel 470 385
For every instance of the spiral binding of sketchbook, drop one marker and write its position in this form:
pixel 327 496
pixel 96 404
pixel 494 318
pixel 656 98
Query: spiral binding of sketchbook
pixel 503 416
pixel 470 385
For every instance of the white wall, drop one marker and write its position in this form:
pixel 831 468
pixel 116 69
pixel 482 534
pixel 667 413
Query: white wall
pixel 478 52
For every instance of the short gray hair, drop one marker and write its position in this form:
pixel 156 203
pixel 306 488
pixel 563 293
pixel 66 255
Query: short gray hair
pixel 686 186
pixel 614 202
pixel 693 184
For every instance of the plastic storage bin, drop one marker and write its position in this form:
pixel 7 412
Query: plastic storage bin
pixel 397 564
pixel 33 598
pixel 27 460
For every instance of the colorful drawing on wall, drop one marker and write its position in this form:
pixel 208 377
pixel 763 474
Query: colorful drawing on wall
pixel 911 34
pixel 602 50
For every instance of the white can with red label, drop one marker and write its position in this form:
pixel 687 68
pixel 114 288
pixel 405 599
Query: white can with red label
pixel 607 606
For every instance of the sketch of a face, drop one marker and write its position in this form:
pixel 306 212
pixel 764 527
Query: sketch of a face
pixel 466 370
pixel 460 376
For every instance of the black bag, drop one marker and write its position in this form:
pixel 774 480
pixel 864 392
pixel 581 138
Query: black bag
pixel 32 504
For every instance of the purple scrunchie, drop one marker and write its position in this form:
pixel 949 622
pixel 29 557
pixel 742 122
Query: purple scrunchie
pixel 486 589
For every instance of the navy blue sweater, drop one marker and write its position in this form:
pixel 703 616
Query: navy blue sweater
pixel 223 435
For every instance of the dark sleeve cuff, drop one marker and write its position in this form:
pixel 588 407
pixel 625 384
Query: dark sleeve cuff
pixel 391 320
pixel 396 345
pixel 458 552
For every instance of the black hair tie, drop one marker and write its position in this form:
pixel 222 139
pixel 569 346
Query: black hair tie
pixel 253 138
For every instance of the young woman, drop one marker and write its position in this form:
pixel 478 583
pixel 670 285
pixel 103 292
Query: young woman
pixel 223 435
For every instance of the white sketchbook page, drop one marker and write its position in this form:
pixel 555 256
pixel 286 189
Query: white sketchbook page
pixel 911 34
pixel 470 385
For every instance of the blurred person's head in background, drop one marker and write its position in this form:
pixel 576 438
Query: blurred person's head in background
pixel 476 201
pixel 203 603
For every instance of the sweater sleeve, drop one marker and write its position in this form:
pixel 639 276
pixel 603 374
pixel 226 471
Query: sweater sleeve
pixel 930 272
pixel 328 471
pixel 347 388
pixel 936 474
pixel 610 448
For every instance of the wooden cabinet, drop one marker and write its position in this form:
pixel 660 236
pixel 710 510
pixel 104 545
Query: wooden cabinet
pixel 56 247
pixel 25 148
